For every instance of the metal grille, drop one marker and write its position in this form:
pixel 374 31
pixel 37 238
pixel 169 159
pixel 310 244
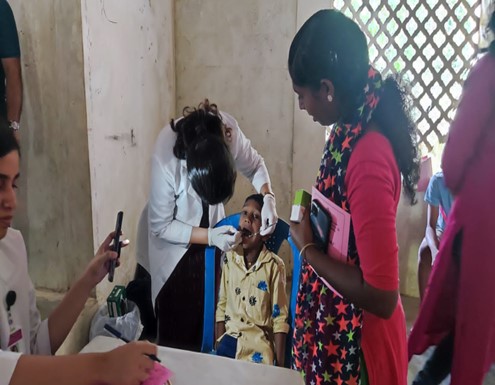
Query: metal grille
pixel 432 43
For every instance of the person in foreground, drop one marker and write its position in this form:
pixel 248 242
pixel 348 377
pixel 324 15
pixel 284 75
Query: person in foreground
pixel 354 333
pixel 26 342
pixel 251 317
pixel 458 312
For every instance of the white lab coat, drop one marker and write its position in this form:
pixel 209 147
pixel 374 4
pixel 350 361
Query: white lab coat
pixel 25 315
pixel 175 207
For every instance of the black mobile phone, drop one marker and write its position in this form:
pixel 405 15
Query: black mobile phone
pixel 321 222
pixel 116 244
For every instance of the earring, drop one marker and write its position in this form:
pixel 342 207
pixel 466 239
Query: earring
pixel 330 98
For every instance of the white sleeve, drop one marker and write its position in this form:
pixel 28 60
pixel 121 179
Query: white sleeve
pixel 39 334
pixel 162 208
pixel 8 362
pixel 247 160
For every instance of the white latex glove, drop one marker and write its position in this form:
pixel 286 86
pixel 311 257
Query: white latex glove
pixel 224 237
pixel 269 215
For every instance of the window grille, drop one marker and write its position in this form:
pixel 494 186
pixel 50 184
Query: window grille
pixel 432 43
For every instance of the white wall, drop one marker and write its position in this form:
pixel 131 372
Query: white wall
pixel 130 93
pixel 55 199
pixel 235 54
pixel 309 137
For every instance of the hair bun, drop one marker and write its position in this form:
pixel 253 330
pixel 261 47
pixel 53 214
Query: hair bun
pixel 197 125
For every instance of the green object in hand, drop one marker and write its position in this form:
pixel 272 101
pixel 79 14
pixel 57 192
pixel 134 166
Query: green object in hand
pixel 302 198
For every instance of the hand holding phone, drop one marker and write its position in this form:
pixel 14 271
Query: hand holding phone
pixel 321 223
pixel 116 245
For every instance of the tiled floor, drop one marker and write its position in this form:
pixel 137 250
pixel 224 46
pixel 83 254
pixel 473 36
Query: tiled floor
pixel 411 306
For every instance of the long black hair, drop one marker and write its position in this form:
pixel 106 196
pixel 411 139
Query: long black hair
pixel 8 141
pixel 200 142
pixel 331 46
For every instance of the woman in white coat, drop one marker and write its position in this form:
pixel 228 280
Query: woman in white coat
pixel 193 173
pixel 23 334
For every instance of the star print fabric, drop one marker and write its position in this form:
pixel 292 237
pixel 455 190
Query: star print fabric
pixel 327 333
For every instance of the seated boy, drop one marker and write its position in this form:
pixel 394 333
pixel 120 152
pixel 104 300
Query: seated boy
pixel 439 202
pixel 251 316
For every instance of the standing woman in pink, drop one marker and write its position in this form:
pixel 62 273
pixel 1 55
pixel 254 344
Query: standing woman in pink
pixel 360 336
pixel 458 312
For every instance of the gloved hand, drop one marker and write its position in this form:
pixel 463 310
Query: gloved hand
pixel 224 237
pixel 269 215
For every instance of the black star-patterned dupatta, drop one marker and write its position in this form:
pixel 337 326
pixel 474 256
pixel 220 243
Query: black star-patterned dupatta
pixel 327 335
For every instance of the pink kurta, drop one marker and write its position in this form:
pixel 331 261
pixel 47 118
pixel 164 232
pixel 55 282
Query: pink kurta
pixel 373 186
pixel 463 300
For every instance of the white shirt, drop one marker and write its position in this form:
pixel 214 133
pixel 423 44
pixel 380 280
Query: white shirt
pixel 25 315
pixel 175 207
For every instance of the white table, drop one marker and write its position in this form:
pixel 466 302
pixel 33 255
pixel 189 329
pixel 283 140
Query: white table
pixel 205 369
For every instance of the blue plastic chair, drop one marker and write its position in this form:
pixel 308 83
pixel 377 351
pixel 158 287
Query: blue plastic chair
pixel 273 244
pixel 296 272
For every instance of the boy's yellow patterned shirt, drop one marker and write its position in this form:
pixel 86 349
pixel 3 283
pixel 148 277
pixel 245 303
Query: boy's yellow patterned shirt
pixel 253 304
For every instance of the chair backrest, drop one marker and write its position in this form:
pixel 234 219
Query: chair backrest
pixel 296 272
pixel 273 244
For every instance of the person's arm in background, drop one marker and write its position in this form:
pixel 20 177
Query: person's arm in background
pixel 62 319
pixel 432 198
pixel 11 63
pixel 126 365
pixel 279 312
pixel 431 233
pixel 252 165
pixel 475 111
pixel 13 85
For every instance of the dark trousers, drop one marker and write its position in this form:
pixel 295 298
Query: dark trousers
pixel 439 365
pixel 139 291
pixel 179 305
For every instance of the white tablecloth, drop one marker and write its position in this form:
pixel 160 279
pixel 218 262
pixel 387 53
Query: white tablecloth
pixel 205 369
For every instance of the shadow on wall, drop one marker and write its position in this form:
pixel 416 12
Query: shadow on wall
pixel 411 222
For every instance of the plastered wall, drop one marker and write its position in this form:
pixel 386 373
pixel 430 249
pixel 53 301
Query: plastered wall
pixel 55 194
pixel 130 94
pixel 102 78
pixel 236 56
